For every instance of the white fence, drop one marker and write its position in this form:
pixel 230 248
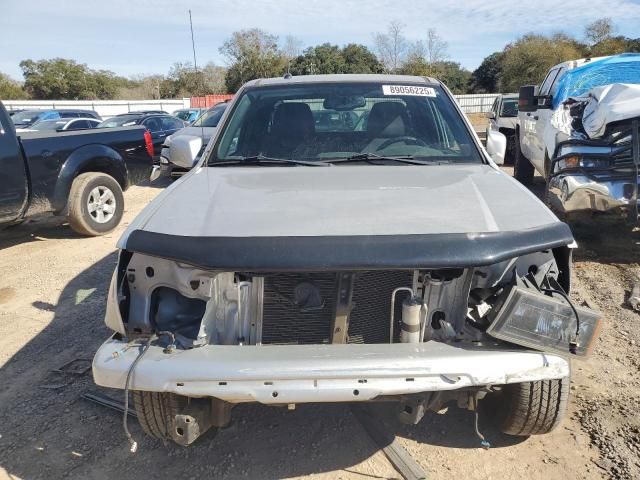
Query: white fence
pixel 476 103
pixel 105 108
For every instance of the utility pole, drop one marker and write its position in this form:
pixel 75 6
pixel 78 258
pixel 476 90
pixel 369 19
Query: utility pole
pixel 195 63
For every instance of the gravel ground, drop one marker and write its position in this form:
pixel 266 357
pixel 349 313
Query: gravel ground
pixel 52 292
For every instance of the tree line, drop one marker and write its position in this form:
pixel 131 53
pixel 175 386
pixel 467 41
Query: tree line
pixel 65 79
pixel 255 53
pixel 527 60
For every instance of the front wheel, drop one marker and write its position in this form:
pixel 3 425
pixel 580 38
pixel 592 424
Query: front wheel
pixel 523 170
pixel 534 408
pixel 156 411
pixel 510 151
pixel 96 204
pixel 167 416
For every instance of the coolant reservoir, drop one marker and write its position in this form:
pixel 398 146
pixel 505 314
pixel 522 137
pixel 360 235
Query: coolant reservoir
pixel 414 313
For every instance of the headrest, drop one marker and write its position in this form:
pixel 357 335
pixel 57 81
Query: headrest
pixel 293 120
pixel 387 119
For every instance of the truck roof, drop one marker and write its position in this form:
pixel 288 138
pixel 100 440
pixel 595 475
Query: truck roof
pixel 341 78
pixel 571 64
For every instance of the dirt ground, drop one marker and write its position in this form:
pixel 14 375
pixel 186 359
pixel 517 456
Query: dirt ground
pixel 52 293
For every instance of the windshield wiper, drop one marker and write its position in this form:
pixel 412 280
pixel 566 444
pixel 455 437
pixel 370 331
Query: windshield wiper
pixel 368 157
pixel 263 160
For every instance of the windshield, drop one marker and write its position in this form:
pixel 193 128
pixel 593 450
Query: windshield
pixel 27 117
pixel 509 108
pixel 324 121
pixel 120 121
pixel 211 117
pixel 186 115
pixel 623 68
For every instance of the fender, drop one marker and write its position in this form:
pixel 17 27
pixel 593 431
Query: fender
pixel 88 158
pixel 550 138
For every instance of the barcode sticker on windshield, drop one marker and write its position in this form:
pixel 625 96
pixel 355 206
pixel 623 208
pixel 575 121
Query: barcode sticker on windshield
pixel 408 90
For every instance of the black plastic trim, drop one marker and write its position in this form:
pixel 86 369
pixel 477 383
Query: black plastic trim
pixel 357 252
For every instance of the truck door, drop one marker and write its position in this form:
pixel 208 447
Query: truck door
pixel 13 174
pixel 492 124
pixel 545 133
pixel 533 126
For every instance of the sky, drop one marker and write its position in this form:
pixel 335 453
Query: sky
pixel 132 37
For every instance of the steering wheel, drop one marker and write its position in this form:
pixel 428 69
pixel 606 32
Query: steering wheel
pixel 406 139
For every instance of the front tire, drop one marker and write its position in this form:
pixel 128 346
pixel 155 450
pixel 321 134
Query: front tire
pixel 523 170
pixel 510 151
pixel 155 412
pixel 534 408
pixel 96 204
pixel 159 412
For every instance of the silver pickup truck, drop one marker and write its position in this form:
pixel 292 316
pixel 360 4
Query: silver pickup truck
pixel 384 257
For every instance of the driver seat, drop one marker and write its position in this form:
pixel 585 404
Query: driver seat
pixel 386 120
pixel 292 128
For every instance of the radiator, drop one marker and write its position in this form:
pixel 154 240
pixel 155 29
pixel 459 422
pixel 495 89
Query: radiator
pixel 289 317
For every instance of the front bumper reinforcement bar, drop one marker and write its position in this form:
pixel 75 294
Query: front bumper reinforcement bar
pixel 278 374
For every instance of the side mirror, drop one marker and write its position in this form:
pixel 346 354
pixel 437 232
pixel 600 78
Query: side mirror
pixel 184 150
pixel 496 146
pixel 490 115
pixel 528 100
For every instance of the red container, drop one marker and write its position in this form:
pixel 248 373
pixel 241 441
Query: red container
pixel 209 100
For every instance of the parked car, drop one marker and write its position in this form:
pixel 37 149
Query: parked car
pixel 13 112
pixel 27 118
pixel 396 263
pixel 576 129
pixel 77 174
pixel 146 112
pixel 160 126
pixel 197 135
pixel 61 125
pixel 189 115
pixel 502 118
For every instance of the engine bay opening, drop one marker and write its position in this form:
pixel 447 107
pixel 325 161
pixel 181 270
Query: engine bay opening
pixel 202 307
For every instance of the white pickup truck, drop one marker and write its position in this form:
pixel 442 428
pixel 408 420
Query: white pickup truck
pixel 577 130
pixel 536 136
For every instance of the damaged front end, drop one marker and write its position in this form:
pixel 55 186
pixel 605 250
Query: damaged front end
pixel 420 336
pixel 598 176
pixel 309 336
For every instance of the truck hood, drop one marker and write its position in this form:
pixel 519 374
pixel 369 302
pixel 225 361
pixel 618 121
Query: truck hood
pixel 236 205
pixel 507 122
pixel 343 200
pixel 205 132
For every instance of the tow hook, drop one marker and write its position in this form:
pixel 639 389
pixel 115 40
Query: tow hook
pixel 412 410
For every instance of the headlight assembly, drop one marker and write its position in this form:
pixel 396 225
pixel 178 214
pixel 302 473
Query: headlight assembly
pixel 543 322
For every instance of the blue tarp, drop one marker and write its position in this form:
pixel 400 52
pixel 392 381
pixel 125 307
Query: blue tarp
pixel 623 68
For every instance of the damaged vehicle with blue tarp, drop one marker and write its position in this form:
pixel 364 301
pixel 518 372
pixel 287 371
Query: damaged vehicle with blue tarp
pixel 374 261
pixel 579 129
